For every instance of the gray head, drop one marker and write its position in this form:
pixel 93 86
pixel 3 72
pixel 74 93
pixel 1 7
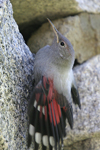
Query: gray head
pixel 62 47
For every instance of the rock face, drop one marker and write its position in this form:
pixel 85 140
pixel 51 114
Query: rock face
pixel 16 76
pixel 30 14
pixel 38 11
pixel 82 30
pixel 16 70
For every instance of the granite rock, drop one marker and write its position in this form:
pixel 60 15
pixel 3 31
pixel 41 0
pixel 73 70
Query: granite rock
pixel 16 74
pixel 36 12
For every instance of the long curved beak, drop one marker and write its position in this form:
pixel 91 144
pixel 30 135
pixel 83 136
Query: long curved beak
pixel 54 29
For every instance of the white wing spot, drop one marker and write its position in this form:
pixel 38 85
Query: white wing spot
pixel 45 140
pixel 38 108
pixel 52 142
pixel 31 129
pixel 35 104
pixel 38 137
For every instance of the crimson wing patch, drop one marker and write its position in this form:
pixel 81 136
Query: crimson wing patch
pixel 48 111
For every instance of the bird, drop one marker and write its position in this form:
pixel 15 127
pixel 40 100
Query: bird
pixel 55 90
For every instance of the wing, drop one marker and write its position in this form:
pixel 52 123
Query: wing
pixel 75 94
pixel 47 119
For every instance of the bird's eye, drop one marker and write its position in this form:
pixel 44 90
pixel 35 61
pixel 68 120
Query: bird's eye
pixel 62 44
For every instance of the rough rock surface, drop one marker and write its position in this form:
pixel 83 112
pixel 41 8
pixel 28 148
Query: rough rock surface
pixel 86 132
pixel 30 14
pixel 82 30
pixel 37 11
pixel 92 6
pixel 16 72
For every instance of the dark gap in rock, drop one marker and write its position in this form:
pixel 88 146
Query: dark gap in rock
pixel 72 15
pixel 76 63
pixel 27 31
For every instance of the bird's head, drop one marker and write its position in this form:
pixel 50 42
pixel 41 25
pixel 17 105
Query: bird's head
pixel 62 46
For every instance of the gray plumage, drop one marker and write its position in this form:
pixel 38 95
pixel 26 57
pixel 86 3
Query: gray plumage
pixel 55 87
pixel 56 61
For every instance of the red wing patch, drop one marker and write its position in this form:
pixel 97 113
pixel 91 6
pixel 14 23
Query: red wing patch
pixel 56 112
pixel 47 116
